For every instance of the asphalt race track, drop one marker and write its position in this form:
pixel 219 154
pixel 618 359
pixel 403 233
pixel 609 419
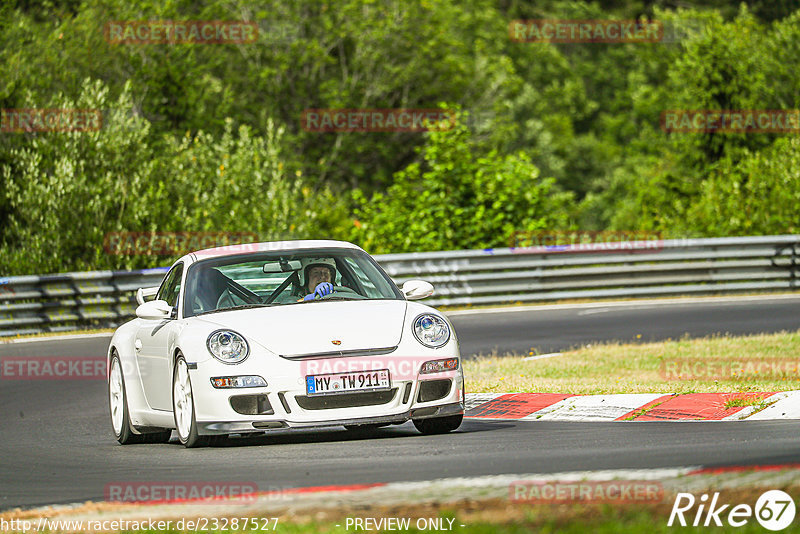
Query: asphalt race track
pixel 56 443
pixel 553 330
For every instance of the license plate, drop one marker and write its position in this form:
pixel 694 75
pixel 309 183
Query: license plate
pixel 348 382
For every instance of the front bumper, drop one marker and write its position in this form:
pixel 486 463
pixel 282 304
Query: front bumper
pixel 240 427
pixel 287 406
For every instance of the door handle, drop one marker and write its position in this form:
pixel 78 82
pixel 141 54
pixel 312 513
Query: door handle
pixel 137 345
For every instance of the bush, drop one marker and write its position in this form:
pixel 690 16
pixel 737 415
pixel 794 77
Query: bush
pixel 456 199
pixel 66 191
pixel 759 195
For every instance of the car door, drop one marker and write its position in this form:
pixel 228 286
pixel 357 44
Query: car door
pixel 152 345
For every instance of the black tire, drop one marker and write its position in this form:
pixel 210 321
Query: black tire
pixel 126 436
pixel 438 425
pixel 192 439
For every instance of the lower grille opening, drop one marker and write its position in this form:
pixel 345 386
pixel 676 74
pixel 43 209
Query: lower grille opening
pixel 269 424
pixel 431 390
pixel 407 393
pixel 345 400
pixel 285 404
pixel 252 405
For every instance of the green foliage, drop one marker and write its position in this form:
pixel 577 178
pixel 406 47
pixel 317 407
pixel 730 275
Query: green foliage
pixel 758 195
pixel 457 198
pixel 208 138
pixel 659 178
pixel 67 191
pixel 238 183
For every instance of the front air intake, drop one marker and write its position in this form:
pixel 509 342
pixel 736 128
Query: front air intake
pixel 345 400
pixel 431 390
pixel 252 405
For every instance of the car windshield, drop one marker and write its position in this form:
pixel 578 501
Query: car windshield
pixel 289 277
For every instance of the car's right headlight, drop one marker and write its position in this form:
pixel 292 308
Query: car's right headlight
pixel 227 346
pixel 431 330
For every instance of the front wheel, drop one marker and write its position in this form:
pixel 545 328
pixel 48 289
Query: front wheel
pixel 183 407
pixel 438 425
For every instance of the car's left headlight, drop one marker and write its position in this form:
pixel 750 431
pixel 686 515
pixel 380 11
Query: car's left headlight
pixel 431 330
pixel 227 346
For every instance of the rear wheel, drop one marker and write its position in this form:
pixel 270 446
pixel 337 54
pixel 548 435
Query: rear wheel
pixel 438 425
pixel 120 417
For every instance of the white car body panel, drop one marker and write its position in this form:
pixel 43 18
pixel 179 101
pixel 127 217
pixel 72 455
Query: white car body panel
pixel 287 343
pixel 309 329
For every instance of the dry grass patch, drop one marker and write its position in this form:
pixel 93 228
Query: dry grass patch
pixel 765 362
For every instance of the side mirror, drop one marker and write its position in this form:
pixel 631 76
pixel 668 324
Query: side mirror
pixel 143 292
pixel 417 289
pixel 155 310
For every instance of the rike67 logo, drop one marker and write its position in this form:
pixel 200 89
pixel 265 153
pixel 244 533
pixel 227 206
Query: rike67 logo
pixel 774 510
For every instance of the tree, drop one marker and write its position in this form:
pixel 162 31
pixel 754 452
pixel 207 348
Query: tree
pixel 456 198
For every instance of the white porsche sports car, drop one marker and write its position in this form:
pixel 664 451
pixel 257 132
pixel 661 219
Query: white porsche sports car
pixel 252 338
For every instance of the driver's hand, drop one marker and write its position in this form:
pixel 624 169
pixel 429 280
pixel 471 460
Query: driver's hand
pixel 322 289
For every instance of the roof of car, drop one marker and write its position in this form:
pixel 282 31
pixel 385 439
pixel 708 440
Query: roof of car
pixel 271 246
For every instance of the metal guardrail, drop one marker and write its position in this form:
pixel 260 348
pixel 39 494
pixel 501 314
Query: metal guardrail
pixel 61 302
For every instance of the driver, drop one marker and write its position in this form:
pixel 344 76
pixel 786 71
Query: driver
pixel 317 276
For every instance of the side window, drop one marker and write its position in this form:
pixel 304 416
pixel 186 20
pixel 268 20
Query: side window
pixel 172 286
pixel 363 279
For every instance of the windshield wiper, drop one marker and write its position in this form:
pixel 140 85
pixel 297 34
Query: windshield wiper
pixel 328 299
pixel 246 306
pixel 239 307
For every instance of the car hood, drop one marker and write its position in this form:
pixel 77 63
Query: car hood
pixel 299 329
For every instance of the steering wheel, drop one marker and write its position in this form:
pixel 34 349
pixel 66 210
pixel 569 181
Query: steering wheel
pixel 342 289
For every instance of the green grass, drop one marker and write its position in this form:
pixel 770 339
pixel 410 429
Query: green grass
pixel 744 401
pixel 725 364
